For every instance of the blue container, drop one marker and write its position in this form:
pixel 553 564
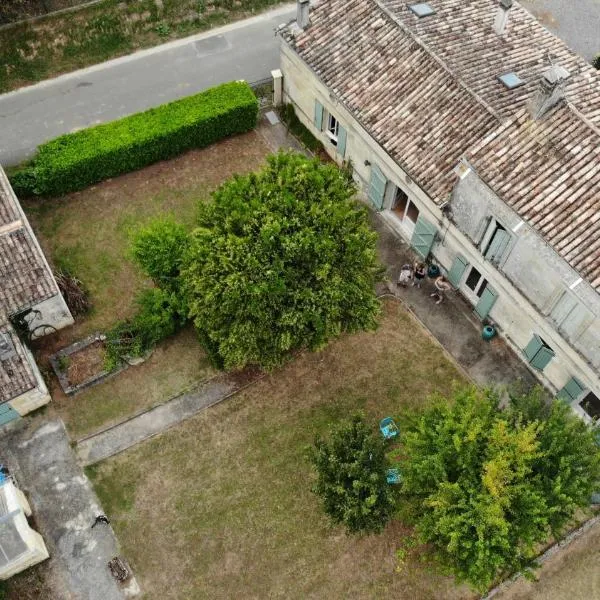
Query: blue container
pixel 488 332
pixel 433 271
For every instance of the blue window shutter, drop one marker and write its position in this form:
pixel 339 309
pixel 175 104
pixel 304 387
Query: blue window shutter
pixel 533 347
pixel 377 187
pixel 423 236
pixel 457 270
pixel 487 300
pixel 318 115
pixel 542 358
pixel 341 142
pixel 7 413
pixel 497 246
pixel 570 391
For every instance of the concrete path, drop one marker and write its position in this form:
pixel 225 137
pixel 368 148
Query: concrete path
pixel 243 50
pixel 115 439
pixel 64 507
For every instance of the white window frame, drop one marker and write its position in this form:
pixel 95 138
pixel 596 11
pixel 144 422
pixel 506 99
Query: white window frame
pixel 474 293
pixel 332 128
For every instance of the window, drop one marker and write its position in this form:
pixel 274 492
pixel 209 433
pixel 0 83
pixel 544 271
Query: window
pixel 591 405
pixel 404 208
pixel 333 129
pixel 571 391
pixel 538 353
pixel 422 9
pixel 511 80
pixel 569 315
pixel 476 282
pixel 495 242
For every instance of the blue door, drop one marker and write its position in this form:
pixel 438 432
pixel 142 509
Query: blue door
pixel 7 413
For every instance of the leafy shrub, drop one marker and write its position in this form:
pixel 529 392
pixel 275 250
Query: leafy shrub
pixel 596 61
pixel 289 117
pixel 160 314
pixel 283 259
pixel 158 249
pixel 76 160
pixel 22 181
pixel 352 480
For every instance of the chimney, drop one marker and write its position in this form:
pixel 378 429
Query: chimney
pixel 302 13
pixel 550 91
pixel 502 16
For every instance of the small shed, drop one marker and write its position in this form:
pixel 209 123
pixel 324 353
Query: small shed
pixel 20 546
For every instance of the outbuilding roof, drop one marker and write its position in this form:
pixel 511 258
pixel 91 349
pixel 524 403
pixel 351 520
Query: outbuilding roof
pixel 25 280
pixel 428 89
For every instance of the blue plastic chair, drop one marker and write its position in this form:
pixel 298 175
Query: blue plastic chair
pixel 393 476
pixel 388 428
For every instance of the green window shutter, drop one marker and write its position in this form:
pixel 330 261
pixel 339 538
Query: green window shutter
pixel 487 300
pixel 341 143
pixel 423 236
pixel 570 391
pixel 537 353
pixel 533 347
pixel 377 187
pixel 542 358
pixel 7 413
pixel 457 270
pixel 498 246
pixel 318 115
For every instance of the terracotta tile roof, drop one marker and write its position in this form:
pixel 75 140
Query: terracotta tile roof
pixel 413 107
pixel 461 34
pixel 548 171
pixel 25 280
pixel 16 374
pixel 427 90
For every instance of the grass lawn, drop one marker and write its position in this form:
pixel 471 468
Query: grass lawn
pixel 62 43
pixel 87 233
pixel 220 507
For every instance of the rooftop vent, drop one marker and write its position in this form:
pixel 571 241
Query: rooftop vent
pixel 511 80
pixel 7 348
pixel 422 9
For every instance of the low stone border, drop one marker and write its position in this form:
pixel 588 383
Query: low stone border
pixel 540 560
pixel 69 389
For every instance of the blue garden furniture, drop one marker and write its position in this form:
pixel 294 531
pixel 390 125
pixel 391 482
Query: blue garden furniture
pixel 388 428
pixel 393 476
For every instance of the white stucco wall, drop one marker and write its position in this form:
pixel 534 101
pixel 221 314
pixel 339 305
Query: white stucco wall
pixel 531 281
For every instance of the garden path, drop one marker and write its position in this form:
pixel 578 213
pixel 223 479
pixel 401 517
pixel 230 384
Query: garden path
pixel 115 439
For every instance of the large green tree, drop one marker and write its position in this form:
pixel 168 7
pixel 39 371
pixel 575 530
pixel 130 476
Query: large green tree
pixel 489 485
pixel 351 469
pixel 283 259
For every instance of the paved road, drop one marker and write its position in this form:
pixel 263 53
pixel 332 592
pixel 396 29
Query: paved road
pixel 577 22
pixel 243 50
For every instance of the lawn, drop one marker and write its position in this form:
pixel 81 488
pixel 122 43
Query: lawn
pixel 220 507
pixel 62 43
pixel 88 232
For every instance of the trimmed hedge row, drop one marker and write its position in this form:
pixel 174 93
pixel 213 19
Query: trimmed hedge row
pixel 76 160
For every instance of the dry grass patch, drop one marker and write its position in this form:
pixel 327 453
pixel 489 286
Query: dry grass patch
pixel 87 233
pixel 220 507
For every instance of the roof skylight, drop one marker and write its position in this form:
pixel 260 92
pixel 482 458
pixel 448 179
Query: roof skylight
pixel 422 9
pixel 511 80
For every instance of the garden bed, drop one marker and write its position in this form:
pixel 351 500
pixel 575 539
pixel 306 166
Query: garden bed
pixel 82 364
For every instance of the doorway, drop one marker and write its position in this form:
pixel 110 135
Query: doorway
pixel 405 210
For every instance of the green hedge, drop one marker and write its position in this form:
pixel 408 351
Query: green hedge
pixel 76 160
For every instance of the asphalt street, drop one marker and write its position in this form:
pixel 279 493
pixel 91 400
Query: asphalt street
pixel 244 50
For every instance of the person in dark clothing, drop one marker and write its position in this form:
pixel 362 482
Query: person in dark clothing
pixel 101 519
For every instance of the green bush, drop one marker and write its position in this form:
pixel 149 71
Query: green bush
pixel 158 248
pixel 22 181
pixel 290 118
pixel 596 61
pixel 76 160
pixel 161 313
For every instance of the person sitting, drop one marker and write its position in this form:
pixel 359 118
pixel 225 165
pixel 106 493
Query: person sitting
pixel 406 274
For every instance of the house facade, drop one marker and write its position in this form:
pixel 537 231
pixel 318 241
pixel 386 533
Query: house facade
pixel 476 134
pixel 30 300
